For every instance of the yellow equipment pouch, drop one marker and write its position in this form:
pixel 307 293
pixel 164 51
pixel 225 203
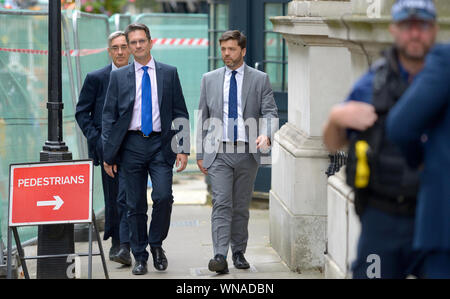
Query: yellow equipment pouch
pixel 362 174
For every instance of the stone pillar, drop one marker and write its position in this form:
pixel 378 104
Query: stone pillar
pixel 319 71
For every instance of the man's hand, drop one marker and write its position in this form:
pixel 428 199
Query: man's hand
pixel 349 115
pixel 181 162
pixel 200 166
pixel 110 169
pixel 262 142
pixel 355 115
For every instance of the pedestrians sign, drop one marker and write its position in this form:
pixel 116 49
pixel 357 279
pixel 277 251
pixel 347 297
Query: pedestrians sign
pixel 50 193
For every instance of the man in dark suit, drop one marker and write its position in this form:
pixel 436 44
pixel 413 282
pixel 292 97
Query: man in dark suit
pixel 89 117
pixel 143 101
pixel 423 114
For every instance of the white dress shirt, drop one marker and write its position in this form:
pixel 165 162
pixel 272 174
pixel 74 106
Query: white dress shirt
pixel 226 93
pixel 135 124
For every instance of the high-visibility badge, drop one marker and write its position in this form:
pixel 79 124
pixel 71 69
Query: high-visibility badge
pixel 50 193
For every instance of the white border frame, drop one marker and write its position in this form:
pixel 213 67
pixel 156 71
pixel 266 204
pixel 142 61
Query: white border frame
pixel 12 167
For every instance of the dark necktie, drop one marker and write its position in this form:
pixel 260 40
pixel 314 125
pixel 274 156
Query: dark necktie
pixel 232 107
pixel 146 112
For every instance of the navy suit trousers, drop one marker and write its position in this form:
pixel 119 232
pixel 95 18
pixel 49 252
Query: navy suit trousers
pixel 140 157
pixel 122 209
pixel 110 191
pixel 390 238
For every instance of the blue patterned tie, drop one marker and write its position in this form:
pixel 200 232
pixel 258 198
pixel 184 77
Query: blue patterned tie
pixel 146 113
pixel 232 106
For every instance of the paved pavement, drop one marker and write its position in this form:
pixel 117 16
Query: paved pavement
pixel 189 246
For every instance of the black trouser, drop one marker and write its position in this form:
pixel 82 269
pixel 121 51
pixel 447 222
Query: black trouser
pixel 385 246
pixel 110 193
pixel 140 157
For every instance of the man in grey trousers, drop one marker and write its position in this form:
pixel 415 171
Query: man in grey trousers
pixel 236 110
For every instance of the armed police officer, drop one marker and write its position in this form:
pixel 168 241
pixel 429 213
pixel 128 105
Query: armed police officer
pixel 385 186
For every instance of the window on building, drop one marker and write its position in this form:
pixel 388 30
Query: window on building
pixel 275 55
pixel 219 12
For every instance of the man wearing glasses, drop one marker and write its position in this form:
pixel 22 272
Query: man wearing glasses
pixel 385 186
pixel 143 100
pixel 89 118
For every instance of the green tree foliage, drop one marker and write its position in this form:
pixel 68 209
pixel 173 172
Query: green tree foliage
pixel 152 5
pixel 108 7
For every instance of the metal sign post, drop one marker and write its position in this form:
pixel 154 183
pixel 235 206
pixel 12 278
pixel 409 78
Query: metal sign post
pixel 54 239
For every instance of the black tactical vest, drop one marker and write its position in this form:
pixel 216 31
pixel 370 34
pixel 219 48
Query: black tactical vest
pixel 392 185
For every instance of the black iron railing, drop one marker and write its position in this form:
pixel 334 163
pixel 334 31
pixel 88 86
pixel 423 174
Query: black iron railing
pixel 337 160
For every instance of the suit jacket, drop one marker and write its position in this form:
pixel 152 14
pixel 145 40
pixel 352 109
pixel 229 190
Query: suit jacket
pixel 425 109
pixel 118 110
pixel 257 104
pixel 89 110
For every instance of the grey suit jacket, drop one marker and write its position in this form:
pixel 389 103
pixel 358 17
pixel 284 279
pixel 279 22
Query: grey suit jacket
pixel 260 112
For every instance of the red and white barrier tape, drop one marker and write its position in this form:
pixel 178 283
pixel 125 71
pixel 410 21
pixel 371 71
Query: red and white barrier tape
pixel 83 52
pixel 181 42
pixel 191 42
pixel 202 42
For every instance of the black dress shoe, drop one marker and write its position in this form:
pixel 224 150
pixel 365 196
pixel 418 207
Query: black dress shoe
pixel 159 258
pixel 113 251
pixel 123 257
pixel 218 264
pixel 239 260
pixel 140 268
